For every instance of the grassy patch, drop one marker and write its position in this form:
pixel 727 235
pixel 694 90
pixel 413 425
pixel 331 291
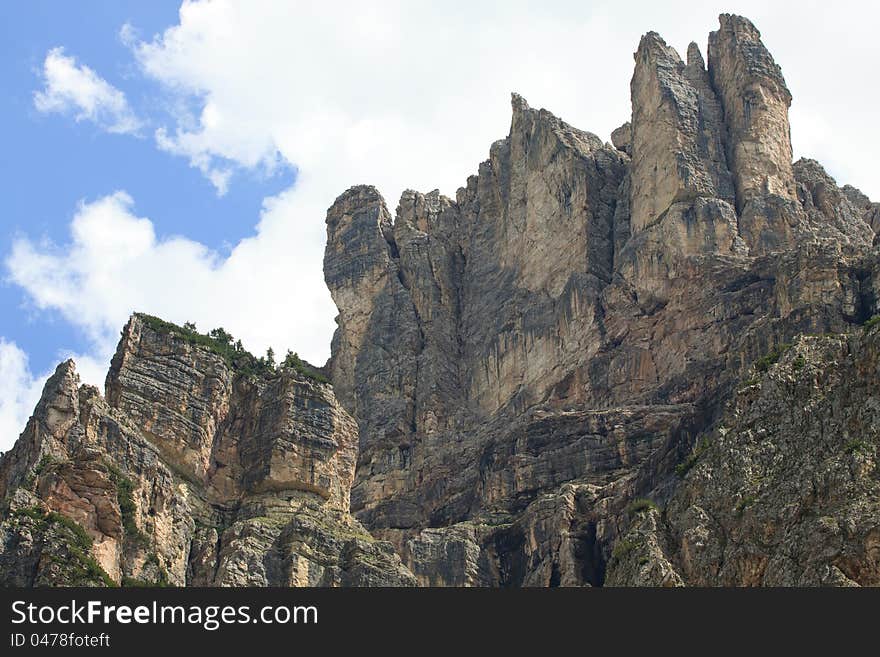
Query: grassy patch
pixel 748 383
pixel 46 463
pixel 217 341
pixel 82 568
pixel 858 445
pixel 685 466
pixel 294 362
pixel 222 343
pixel 871 323
pixel 81 537
pixel 764 363
pixel 799 363
pixel 127 508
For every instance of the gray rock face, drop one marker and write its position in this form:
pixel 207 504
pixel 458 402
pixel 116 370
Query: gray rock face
pixel 189 471
pixel 621 138
pixel 678 154
pixel 535 354
pixel 755 101
pixel 870 212
pixel 783 491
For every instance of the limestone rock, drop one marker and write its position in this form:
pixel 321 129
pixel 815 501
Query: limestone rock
pixel 621 138
pixel 755 102
pixel 870 212
pixel 677 142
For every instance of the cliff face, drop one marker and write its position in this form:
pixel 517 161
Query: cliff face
pixel 650 362
pixel 525 360
pixel 187 471
pixel 784 490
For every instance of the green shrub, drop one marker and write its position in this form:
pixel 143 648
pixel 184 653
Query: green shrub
pixel 81 537
pixel 45 464
pixel 222 343
pixel 32 512
pixel 294 362
pixel 127 508
pixel 748 383
pixel 858 445
pixel 764 363
pixel 83 569
pixel 218 341
pixel 641 504
pixel 871 323
pixel 799 363
pixel 622 548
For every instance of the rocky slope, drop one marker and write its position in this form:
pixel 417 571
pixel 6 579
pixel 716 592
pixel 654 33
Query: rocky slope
pixel 527 359
pixel 649 362
pixel 783 491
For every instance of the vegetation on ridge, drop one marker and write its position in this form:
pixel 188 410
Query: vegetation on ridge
pixel 222 343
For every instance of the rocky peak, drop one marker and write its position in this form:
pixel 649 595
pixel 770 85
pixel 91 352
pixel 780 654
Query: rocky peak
pixel 677 136
pixel 755 101
pixel 695 61
pixel 526 359
pixel 621 138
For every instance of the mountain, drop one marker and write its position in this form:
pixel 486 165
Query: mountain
pixel 649 362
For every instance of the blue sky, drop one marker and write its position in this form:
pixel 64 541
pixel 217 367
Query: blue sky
pixel 57 162
pixel 178 159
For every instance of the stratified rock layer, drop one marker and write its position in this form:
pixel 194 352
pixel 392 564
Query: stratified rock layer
pixel 188 472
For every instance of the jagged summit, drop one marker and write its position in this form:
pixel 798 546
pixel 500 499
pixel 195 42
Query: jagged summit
pixel 518 103
pixel 524 361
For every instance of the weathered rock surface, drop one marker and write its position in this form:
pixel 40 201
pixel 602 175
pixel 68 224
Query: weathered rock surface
pixel 783 491
pixel 527 359
pixel 188 472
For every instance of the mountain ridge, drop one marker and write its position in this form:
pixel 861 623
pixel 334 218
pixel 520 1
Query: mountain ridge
pixel 569 374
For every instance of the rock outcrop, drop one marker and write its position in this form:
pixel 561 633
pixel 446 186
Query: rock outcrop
pixel 527 361
pixel 190 470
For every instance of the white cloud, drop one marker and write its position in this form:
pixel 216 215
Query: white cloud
pixel 76 89
pixel 19 392
pixel 411 94
pixel 396 94
pixel 268 291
